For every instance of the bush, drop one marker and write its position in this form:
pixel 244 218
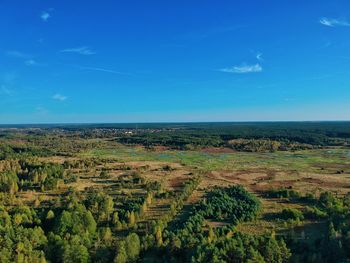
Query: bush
pixel 282 193
pixel 314 213
pixel 291 213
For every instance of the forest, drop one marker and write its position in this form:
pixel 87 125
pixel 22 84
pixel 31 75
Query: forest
pixel 201 192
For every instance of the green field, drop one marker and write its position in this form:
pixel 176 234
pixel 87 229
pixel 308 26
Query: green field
pixel 310 160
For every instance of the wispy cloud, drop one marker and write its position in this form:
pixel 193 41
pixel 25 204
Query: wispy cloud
pixel 59 97
pixel 327 44
pixel 28 59
pixel 80 50
pixel 105 70
pixel 332 22
pixel 244 68
pixel 5 90
pixel 7 83
pixel 45 16
pixel 18 54
pixel 259 56
pixel 41 110
pixel 30 62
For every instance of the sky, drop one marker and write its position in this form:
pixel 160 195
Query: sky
pixel 172 61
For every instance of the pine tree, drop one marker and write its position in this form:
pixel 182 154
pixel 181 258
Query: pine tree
pixel 121 256
pixel 159 236
pixel 132 246
pixel 50 215
pixel 211 235
pixel 132 219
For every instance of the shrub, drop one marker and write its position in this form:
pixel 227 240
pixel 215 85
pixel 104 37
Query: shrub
pixel 291 213
pixel 314 213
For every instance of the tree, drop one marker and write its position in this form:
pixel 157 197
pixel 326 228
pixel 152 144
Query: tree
pixel 50 215
pixel 159 237
pixel 175 244
pixel 131 219
pixel 115 218
pixel 254 256
pixel 132 246
pixel 284 250
pixel 332 234
pixel 106 235
pixel 211 235
pixel 64 223
pixel 89 222
pixel 121 256
pixel 75 252
pixel 8 182
pixel 107 206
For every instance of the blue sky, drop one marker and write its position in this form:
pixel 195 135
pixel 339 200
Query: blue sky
pixel 146 61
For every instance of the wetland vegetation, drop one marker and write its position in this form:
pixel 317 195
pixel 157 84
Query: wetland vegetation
pixel 204 192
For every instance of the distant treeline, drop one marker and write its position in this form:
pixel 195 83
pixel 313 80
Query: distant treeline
pixel 247 137
pixel 251 137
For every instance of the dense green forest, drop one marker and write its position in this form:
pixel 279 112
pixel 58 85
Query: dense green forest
pixel 247 136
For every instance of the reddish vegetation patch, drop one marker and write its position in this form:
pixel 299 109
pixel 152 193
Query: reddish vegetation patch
pixel 177 182
pixel 312 180
pixel 332 185
pixel 217 150
pixel 216 224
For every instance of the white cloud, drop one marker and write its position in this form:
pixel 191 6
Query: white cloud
pixel 243 69
pixel 45 16
pixel 332 22
pixel 30 62
pixel 59 97
pixel 80 50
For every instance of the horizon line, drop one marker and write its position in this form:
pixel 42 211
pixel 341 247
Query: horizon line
pixel 168 122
